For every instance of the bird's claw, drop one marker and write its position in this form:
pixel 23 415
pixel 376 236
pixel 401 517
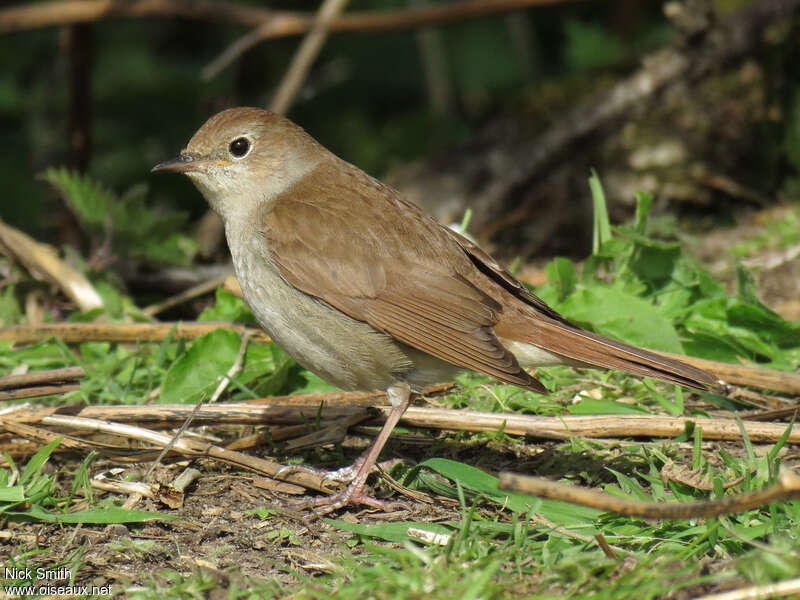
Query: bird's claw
pixel 351 495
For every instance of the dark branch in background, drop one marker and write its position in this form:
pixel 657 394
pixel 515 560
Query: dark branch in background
pixel 304 57
pixel 79 48
pixel 720 45
pixel 524 164
pixel 279 23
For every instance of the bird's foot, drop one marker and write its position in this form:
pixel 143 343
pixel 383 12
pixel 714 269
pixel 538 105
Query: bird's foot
pixel 343 475
pixel 353 494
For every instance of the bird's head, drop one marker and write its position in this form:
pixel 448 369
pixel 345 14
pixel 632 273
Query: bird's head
pixel 243 157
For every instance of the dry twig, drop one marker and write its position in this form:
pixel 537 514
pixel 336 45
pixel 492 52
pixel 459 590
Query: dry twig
pixel 30 385
pixel 73 333
pixel 765 379
pixel 786 488
pixel 184 446
pixel 52 376
pixel 554 428
pixel 782 589
pixel 38 392
pixel 301 62
pixel 193 292
pixel 43 259
pixel 768 379
pixel 281 23
pixel 235 368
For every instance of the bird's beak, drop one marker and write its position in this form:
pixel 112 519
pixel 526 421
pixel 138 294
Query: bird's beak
pixel 184 163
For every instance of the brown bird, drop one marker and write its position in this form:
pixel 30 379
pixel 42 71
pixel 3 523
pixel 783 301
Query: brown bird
pixel 367 291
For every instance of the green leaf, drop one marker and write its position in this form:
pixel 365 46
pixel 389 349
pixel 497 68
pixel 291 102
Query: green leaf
pixel 228 308
pixel 590 406
pixel 561 274
pixel 477 481
pixel 138 229
pixel 602 226
pixel 302 381
pixel 10 312
pixel 589 46
pixel 269 366
pixel 643 203
pixel 98 516
pixel 391 532
pixel 91 201
pixel 654 262
pixel 36 461
pixel 196 374
pixel 621 316
pixel 14 494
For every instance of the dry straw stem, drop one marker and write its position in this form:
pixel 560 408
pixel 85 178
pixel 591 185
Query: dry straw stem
pixel 193 292
pixel 768 379
pixel 37 392
pixel 103 482
pixel 234 369
pixel 363 399
pixel 184 446
pixel 43 259
pixel 554 428
pixel 765 379
pixel 304 57
pixel 52 376
pixel 281 23
pixel 786 488
pixel 40 383
pixel 783 589
pixel 73 333
pixel 273 434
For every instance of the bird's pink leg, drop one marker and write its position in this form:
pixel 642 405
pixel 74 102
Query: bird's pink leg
pixel 399 395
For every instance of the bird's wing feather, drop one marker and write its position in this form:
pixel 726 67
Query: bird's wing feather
pixel 349 246
pixel 545 328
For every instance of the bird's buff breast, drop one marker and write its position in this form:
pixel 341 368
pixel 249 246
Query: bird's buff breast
pixel 347 353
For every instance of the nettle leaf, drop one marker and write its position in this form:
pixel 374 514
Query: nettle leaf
pixel 302 381
pixel 196 374
pixel 228 308
pixel 268 381
pixel 91 201
pixel 710 346
pixel 138 229
pixel 621 316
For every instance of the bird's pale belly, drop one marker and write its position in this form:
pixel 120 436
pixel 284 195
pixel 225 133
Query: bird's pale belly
pixel 348 353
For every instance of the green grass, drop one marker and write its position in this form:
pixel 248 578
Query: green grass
pixel 636 287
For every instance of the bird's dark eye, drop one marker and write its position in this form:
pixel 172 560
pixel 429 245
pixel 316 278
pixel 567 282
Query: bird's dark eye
pixel 239 147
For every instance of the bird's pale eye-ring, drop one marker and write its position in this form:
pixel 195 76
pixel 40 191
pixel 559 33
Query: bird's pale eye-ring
pixel 239 147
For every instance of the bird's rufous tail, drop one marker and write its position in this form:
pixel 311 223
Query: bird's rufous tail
pixel 595 350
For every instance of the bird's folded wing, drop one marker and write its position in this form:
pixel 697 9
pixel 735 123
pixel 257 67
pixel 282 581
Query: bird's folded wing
pixel 359 256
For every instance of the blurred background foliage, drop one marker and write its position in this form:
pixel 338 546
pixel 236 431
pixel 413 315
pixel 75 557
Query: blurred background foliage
pixel 371 98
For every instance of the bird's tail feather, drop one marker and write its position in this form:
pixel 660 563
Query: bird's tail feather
pixel 595 350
